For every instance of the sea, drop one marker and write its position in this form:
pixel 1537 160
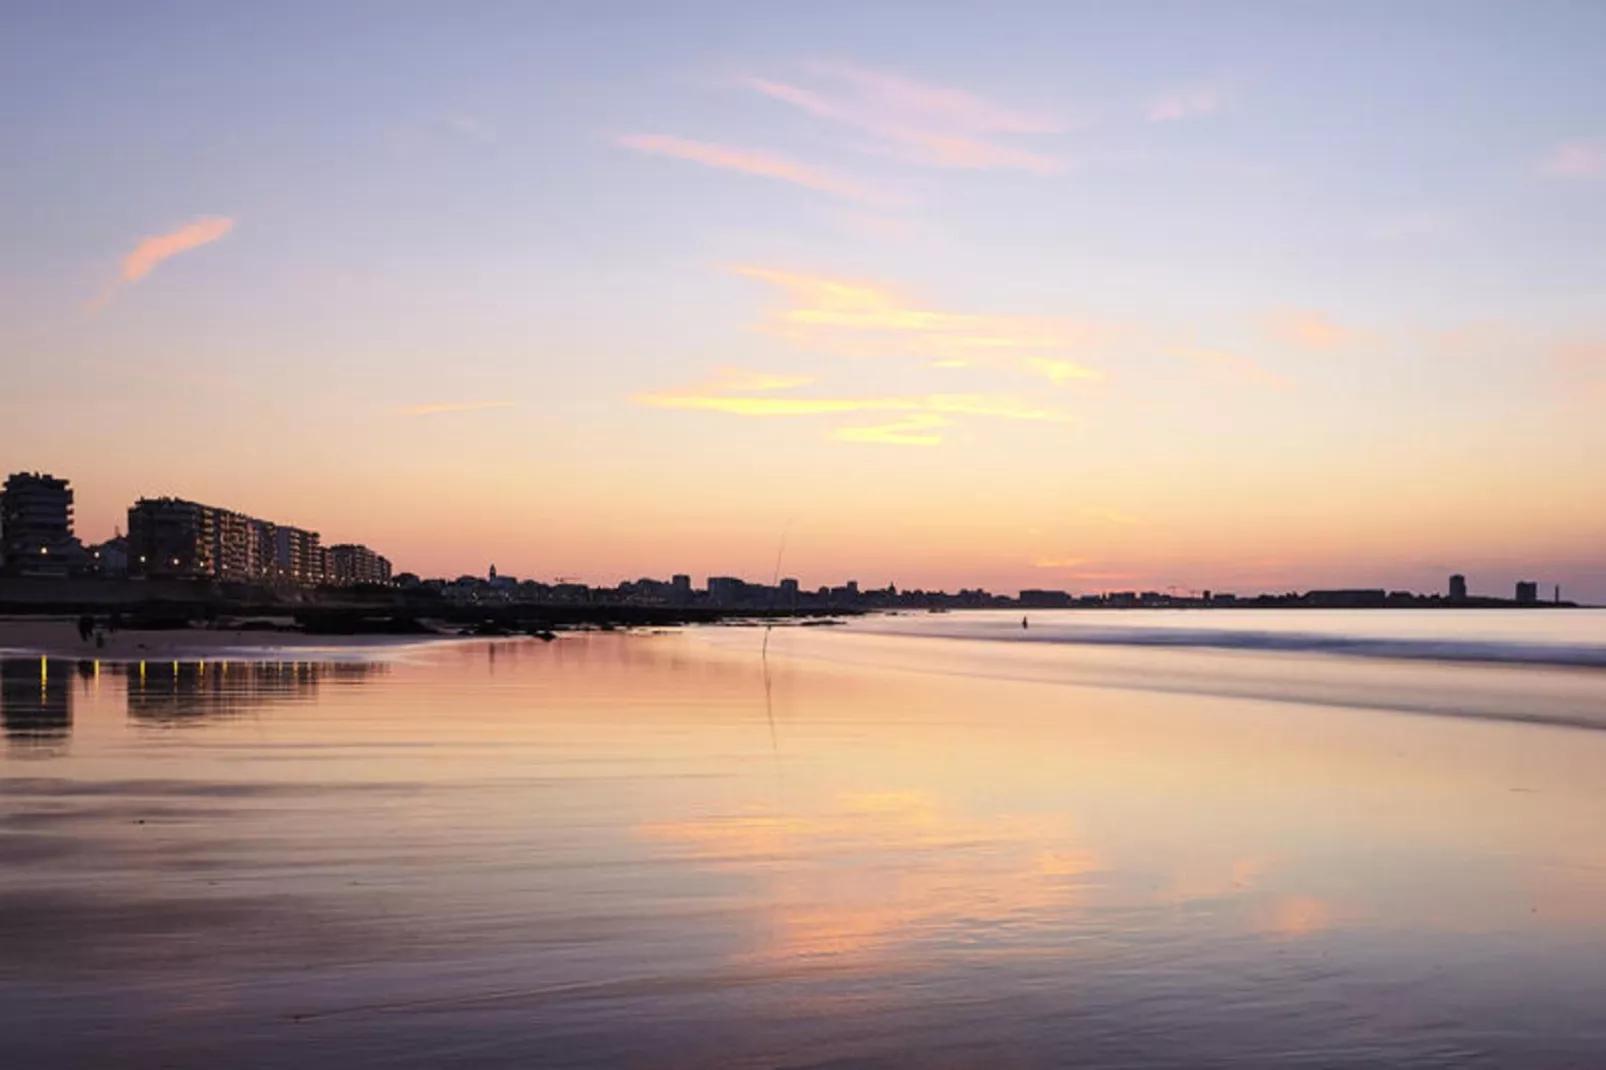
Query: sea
pixel 1101 839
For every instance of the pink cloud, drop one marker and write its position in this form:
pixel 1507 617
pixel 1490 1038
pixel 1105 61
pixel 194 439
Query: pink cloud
pixel 153 250
pixel 1576 159
pixel 955 107
pixel 1185 104
pixel 747 161
pixel 965 153
pixel 922 124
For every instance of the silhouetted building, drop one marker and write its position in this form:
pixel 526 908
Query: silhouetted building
pixel 1458 588
pixel 171 538
pixel 1040 599
pixel 1361 598
pixel 108 559
pixel 351 565
pixel 726 590
pixel 298 558
pixel 1527 592
pixel 36 525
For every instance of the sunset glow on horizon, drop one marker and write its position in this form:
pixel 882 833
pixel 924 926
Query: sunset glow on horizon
pixel 1076 296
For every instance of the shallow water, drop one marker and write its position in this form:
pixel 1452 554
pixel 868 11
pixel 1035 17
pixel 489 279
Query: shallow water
pixel 866 849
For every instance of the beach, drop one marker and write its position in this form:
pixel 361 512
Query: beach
pixel 57 637
pixel 884 844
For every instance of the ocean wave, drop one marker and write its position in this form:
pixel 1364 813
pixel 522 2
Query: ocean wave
pixel 1487 651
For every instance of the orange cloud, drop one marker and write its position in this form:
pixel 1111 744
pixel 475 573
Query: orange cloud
pixel 1310 330
pixel 463 406
pixel 153 250
pixel 1576 159
pixel 921 124
pixel 866 319
pixel 767 165
pixel 1061 562
pixel 1185 104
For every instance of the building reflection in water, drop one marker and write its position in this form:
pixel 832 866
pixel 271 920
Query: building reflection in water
pixel 175 692
pixel 36 704
pixel 36 694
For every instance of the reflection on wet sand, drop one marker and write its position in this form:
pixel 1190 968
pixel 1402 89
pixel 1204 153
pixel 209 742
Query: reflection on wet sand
pixel 35 704
pixel 176 692
pixel 37 694
pixel 595 852
pixel 874 873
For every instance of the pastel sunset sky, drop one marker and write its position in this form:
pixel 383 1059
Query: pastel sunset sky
pixel 1238 296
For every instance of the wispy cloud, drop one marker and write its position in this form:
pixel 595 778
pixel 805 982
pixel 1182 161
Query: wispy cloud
pixel 751 162
pixel 458 406
pixel 993 405
pixel 1189 103
pixel 922 417
pixel 1310 330
pixel 153 250
pixel 856 318
pixel 743 381
pixel 918 430
pixel 1581 158
pixel 954 108
pixel 1234 365
pixel 918 123
pixel 1061 562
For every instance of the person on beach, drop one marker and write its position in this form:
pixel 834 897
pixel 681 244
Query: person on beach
pixel 86 627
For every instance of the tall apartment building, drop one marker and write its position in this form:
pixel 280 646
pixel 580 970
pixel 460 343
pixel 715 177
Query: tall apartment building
pixel 298 559
pixel 36 525
pixel 178 539
pixel 351 565
pixel 170 538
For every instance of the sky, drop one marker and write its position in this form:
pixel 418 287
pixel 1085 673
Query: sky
pixel 1090 296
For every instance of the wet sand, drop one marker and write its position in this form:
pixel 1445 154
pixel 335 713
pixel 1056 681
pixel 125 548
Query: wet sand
pixel 57 637
pixel 839 850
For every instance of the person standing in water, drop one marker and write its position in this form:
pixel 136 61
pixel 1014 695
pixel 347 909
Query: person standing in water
pixel 1023 622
